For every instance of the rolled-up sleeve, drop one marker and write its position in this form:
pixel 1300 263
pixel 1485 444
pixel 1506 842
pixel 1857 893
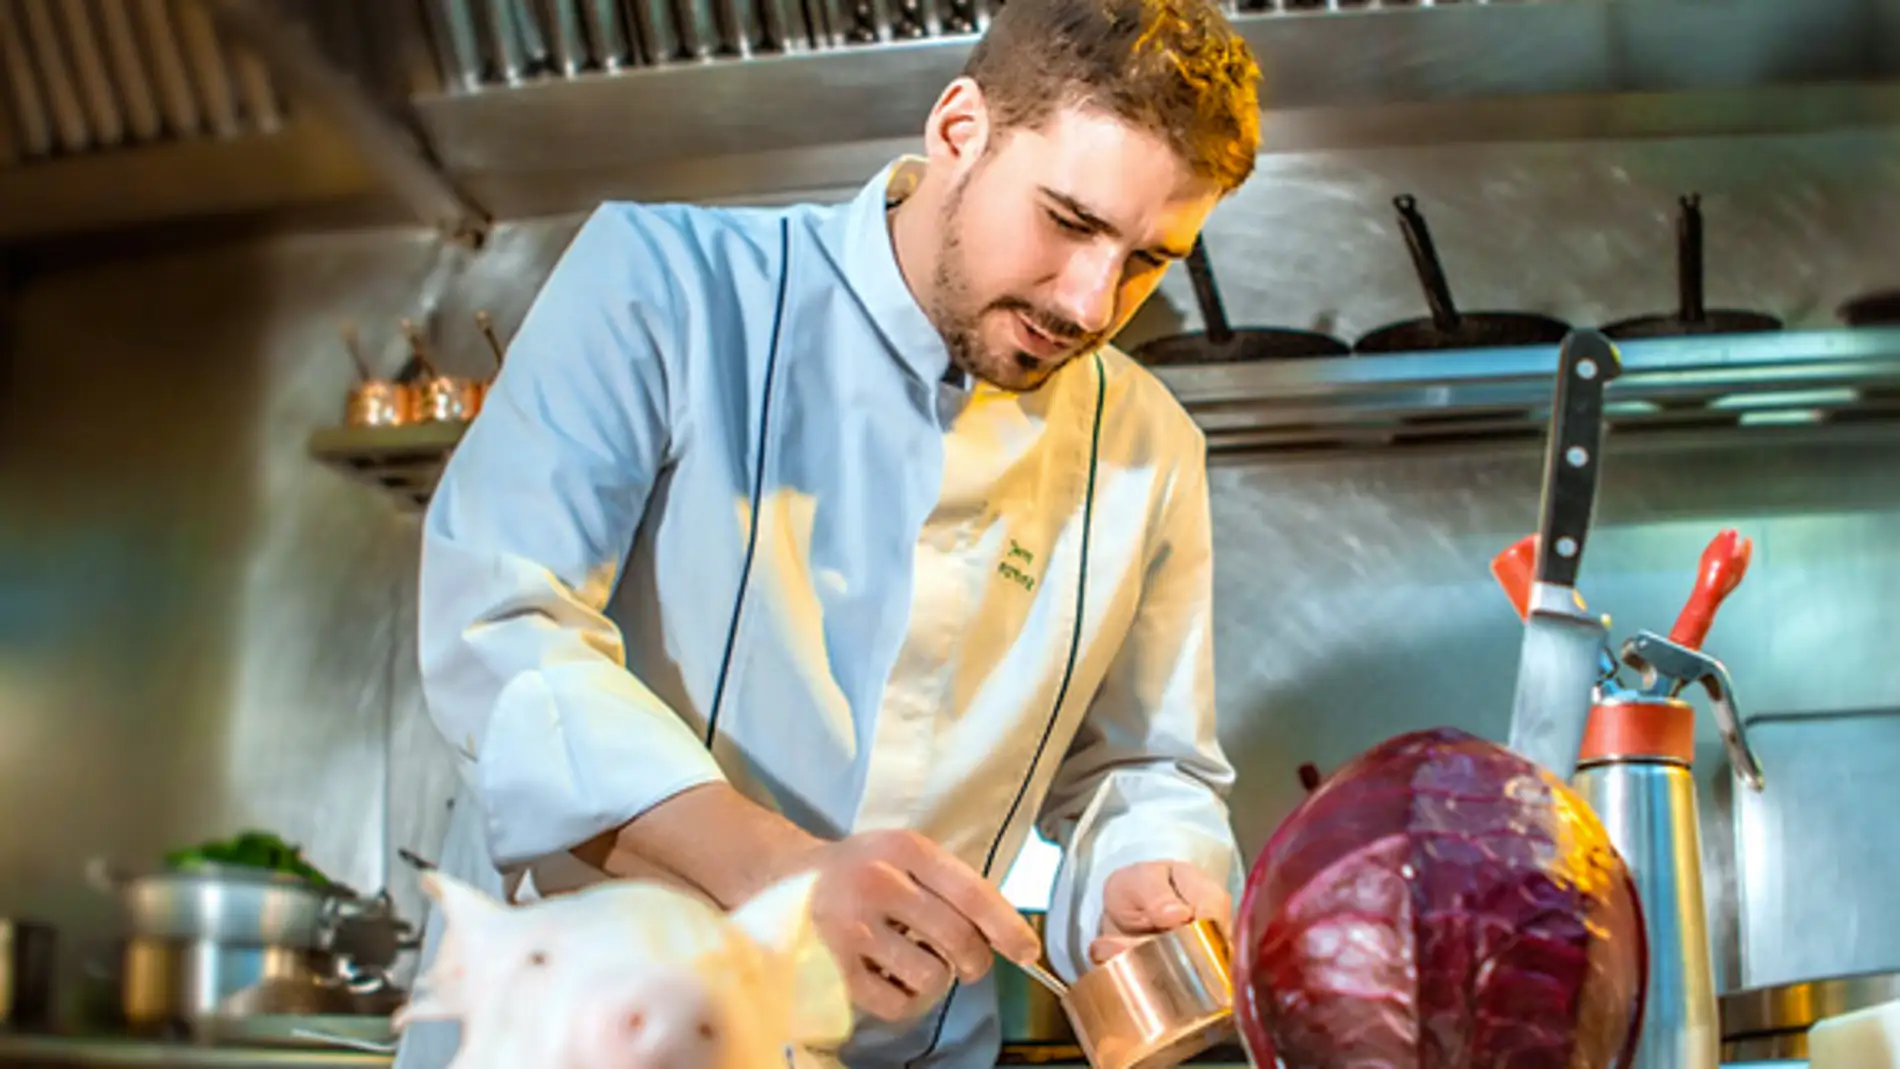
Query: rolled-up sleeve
pixel 1145 778
pixel 523 673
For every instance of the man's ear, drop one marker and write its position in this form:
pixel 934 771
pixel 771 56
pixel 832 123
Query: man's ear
pixel 959 126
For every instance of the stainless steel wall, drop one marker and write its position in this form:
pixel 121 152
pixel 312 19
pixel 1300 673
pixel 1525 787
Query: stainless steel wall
pixel 201 629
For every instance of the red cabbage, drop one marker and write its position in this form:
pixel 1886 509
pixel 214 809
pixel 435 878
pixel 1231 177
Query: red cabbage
pixel 1440 903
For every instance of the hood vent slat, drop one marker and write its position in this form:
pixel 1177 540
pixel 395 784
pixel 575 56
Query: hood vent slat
pixel 94 76
pixel 501 43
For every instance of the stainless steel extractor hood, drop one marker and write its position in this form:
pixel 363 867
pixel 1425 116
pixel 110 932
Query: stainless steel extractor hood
pixel 640 99
pixel 119 112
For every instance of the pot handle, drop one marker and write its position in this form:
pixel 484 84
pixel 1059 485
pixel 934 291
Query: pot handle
pixel 105 877
pixel 356 981
pixel 365 982
pixel 340 908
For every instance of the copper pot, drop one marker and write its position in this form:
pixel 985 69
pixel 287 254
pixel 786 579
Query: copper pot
pixel 448 399
pixel 380 403
pixel 1156 1004
pixel 374 401
pixel 440 398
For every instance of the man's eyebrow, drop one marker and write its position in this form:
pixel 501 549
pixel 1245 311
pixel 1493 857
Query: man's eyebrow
pixel 1082 213
pixel 1098 224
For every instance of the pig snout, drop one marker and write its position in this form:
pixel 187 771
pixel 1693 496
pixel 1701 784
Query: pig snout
pixel 664 1022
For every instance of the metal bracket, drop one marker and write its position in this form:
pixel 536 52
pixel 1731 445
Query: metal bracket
pixel 387 147
pixel 1666 667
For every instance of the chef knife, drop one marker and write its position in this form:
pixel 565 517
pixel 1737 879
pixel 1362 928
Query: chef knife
pixel 1513 569
pixel 1557 665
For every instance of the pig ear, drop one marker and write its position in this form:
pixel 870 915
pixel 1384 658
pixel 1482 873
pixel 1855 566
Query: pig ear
pixel 463 905
pixel 467 916
pixel 779 920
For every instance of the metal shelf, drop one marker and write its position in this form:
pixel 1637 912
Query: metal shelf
pixel 1723 385
pixel 404 462
pixel 1710 387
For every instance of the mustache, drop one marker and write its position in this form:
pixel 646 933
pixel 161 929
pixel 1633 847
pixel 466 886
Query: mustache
pixel 1053 324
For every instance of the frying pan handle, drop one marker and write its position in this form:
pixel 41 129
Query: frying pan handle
pixel 1201 273
pixel 1431 274
pixel 1310 778
pixel 1689 259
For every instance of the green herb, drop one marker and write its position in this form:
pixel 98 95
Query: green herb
pixel 250 849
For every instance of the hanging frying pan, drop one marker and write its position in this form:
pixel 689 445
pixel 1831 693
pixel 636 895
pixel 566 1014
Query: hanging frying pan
pixel 1880 309
pixel 1690 317
pixel 1221 343
pixel 1447 327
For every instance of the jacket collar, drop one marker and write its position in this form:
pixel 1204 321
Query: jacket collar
pixel 870 266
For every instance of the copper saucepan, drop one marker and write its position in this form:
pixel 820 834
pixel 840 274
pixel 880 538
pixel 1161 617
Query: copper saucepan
pixel 441 398
pixel 375 401
pixel 1155 1004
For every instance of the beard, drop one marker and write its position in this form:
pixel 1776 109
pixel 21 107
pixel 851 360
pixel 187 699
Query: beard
pixel 958 314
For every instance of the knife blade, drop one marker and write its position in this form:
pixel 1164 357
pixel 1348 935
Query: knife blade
pixel 1558 663
pixel 1513 569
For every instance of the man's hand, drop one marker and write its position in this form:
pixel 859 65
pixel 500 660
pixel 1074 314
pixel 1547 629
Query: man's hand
pixel 901 913
pixel 1151 897
pixel 904 916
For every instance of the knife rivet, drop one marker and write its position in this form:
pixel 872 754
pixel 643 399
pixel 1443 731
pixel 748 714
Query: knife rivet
pixel 1586 369
pixel 1577 455
pixel 1566 547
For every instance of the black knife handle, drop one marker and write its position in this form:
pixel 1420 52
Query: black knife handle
pixel 1585 364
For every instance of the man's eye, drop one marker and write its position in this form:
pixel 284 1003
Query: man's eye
pixel 1068 224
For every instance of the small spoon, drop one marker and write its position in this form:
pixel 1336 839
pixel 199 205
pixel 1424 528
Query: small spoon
pixel 1046 979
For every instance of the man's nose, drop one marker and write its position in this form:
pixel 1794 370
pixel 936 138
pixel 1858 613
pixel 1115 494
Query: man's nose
pixel 1089 286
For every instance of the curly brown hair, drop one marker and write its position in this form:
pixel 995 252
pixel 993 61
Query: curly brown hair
pixel 1174 67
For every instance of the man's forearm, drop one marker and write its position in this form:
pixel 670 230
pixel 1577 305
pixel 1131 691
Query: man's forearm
pixel 712 837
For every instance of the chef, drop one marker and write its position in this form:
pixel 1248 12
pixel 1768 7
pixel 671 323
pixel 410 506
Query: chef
pixel 838 538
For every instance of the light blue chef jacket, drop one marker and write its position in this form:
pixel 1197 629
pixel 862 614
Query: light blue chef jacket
pixel 725 489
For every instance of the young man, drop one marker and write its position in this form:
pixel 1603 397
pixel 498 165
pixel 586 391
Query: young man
pixel 838 538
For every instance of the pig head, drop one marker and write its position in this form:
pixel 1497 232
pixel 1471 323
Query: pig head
pixel 631 975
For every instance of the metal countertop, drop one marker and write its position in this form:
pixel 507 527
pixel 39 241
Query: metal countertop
pixel 104 1052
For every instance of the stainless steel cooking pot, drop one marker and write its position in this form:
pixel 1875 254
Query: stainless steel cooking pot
pixel 227 904
pixel 185 987
pixel 1768 1023
pixel 216 942
pixel 1156 1004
